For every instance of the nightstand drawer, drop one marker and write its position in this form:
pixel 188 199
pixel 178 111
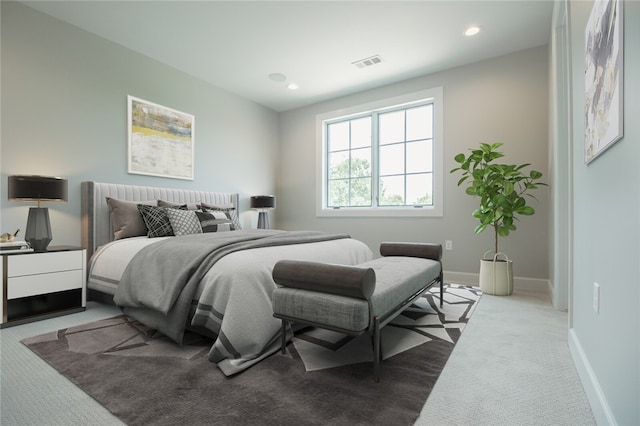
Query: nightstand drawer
pixel 42 284
pixel 31 285
pixel 44 263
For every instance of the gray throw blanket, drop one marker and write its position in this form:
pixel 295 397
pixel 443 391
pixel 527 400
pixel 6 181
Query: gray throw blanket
pixel 158 285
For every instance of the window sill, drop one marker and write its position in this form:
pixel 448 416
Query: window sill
pixel 390 212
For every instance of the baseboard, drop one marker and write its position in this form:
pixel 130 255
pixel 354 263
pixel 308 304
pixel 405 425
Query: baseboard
pixel 599 406
pixel 461 278
pixel 466 278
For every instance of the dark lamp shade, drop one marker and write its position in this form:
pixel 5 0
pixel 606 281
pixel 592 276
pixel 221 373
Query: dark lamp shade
pixel 37 188
pixel 263 202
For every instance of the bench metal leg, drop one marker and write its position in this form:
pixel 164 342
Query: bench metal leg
pixel 376 350
pixel 284 336
pixel 441 288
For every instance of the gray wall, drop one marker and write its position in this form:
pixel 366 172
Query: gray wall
pixel 64 113
pixel 606 346
pixel 503 99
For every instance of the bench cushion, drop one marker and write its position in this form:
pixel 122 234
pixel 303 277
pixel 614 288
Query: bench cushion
pixel 397 278
pixel 343 312
pixel 414 273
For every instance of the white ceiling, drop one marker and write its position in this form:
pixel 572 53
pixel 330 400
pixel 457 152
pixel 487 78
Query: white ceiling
pixel 235 45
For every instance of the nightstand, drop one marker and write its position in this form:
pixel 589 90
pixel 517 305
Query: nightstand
pixel 39 285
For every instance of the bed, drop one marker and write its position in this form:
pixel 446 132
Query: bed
pixel 215 283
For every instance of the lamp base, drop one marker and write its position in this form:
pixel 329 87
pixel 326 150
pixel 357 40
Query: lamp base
pixel 39 245
pixel 263 220
pixel 38 233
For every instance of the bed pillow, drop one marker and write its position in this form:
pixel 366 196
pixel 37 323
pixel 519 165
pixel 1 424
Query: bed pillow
pixel 126 219
pixel 214 221
pixel 184 222
pixel 229 211
pixel 157 221
pixel 183 206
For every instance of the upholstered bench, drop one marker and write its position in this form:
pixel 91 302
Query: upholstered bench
pixel 356 299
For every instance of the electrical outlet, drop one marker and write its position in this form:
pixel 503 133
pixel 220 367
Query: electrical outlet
pixel 448 245
pixel 596 297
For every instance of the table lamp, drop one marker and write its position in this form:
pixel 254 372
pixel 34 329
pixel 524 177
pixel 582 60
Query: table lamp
pixel 262 203
pixel 37 188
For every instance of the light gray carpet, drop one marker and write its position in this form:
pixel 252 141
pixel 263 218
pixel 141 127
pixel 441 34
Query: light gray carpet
pixel 511 366
pixel 33 393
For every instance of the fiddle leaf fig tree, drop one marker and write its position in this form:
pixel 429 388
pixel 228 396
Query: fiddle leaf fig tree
pixel 502 188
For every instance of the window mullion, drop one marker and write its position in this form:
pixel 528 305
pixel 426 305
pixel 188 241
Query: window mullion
pixel 350 172
pixel 375 163
pixel 405 157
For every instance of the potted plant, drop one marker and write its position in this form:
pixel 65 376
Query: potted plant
pixel 502 189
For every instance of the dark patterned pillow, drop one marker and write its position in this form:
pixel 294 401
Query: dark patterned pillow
pixel 214 221
pixel 184 222
pixel 156 220
pixel 229 211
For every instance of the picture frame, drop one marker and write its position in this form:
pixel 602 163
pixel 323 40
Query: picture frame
pixel 160 140
pixel 604 64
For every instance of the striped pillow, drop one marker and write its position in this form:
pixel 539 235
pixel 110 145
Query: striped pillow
pixel 214 221
pixel 229 211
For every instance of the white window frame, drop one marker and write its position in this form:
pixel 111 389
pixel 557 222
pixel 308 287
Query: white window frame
pixel 436 96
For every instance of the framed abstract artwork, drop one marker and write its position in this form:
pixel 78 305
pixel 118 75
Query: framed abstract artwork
pixel 161 140
pixel 603 76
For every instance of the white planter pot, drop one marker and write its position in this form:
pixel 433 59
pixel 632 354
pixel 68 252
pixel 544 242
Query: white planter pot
pixel 496 275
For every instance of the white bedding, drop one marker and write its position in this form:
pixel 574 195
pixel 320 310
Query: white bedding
pixel 109 262
pixel 235 292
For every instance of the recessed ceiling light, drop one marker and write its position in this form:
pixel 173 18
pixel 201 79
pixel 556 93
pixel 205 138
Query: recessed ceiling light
pixel 276 76
pixel 472 30
pixel 292 86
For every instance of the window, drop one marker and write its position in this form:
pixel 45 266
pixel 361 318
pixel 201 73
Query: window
pixel 382 159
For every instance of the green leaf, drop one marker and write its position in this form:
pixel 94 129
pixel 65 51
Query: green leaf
pixel 478 229
pixel 526 211
pixel 503 232
pixel 508 187
pixel 535 174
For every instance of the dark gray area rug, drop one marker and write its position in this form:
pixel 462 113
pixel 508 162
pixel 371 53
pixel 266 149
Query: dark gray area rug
pixel 144 378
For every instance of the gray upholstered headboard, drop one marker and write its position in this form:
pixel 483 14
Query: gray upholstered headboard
pixel 96 222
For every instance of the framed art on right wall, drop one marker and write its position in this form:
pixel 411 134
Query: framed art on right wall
pixel 603 77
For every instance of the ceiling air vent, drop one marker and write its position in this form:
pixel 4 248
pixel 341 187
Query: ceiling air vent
pixel 367 62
